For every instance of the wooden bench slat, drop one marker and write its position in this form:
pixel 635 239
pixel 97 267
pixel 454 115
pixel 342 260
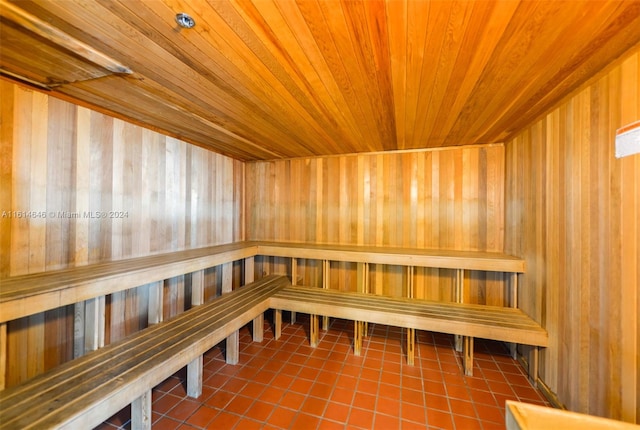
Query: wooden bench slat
pixel 96 396
pixel 512 325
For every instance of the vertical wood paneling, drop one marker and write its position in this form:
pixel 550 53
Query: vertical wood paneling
pixel 61 166
pixel 442 199
pixel 573 213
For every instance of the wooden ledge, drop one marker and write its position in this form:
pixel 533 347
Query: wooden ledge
pixel 524 416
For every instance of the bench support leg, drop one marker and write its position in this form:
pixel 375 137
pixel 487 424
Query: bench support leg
pixel 314 331
pixel 141 412
pixel 468 355
pixel 258 328
pixel 277 323
pixel 458 342
pixel 294 281
pixel 233 348
pixel 155 302
pixel 533 365
pixel 411 346
pixel 326 284
pixel 194 378
pixel 458 295
pixel 358 327
pixel 3 354
pixel 513 302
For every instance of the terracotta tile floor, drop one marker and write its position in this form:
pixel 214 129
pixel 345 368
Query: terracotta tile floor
pixel 286 384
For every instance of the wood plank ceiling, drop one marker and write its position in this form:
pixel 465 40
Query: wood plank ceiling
pixel 269 79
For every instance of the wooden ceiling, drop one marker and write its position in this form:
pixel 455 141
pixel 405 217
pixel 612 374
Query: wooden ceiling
pixel 269 79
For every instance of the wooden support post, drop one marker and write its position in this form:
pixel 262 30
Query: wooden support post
pixel 411 333
pixel 249 270
pixel 277 323
pixel 258 328
pixel 94 323
pixel 362 284
pixel 197 288
pixel 3 355
pixel 141 412
pixel 326 266
pixel 533 365
pixel 194 378
pixel 78 329
pixel 233 340
pixel 468 355
pixel 513 302
pixel 411 346
pixel 367 290
pixel 258 322
pixel 233 348
pixel 514 290
pixel 194 369
pixel 458 297
pixel 357 337
pixel 227 278
pixel 117 314
pixel 294 281
pixel 155 302
pixel 314 331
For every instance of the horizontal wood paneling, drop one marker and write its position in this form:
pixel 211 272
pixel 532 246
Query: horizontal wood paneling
pixel 61 162
pixel 573 212
pixel 442 199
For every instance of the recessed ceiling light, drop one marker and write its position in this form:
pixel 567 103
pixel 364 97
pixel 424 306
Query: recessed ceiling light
pixel 185 21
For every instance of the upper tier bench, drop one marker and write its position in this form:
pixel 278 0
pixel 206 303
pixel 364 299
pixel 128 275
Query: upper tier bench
pixel 86 391
pixel 26 295
pixel 468 320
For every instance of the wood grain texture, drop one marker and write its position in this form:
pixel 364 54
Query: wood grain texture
pixel 441 199
pixel 490 322
pixel 525 416
pixel 78 188
pixel 273 79
pixel 572 213
pixel 84 392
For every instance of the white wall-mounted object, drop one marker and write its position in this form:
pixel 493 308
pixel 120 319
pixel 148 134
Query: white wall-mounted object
pixel 628 140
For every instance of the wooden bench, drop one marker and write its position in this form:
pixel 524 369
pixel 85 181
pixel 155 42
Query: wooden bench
pixel 84 392
pixel 29 294
pixel 468 320
pixel 524 416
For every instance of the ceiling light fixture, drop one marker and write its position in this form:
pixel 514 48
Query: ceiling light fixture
pixel 185 21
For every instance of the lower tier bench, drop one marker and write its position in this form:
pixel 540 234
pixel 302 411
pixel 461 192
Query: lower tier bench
pixel 468 320
pixel 86 391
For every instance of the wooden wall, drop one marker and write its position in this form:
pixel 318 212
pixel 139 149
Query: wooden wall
pixel 443 199
pixel 62 162
pixel 573 212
